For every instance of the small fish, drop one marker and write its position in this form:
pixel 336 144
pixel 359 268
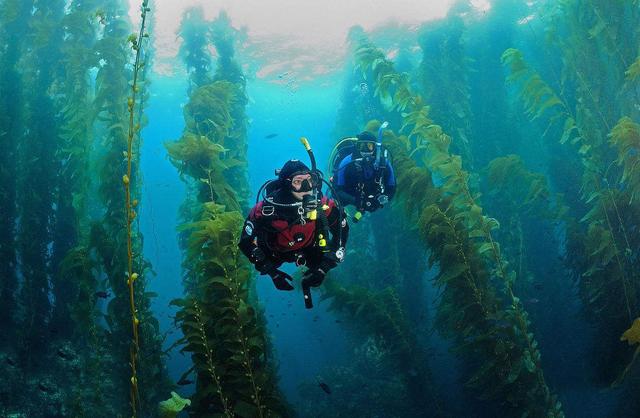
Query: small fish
pixel 538 286
pixel 270 136
pixel 533 300
pixel 64 355
pixel 338 321
pixel 10 361
pixel 102 294
pixel 324 386
pixel 44 388
pixel 184 381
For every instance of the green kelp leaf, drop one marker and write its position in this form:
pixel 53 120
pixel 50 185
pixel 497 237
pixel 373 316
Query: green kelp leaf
pixel 550 102
pixel 584 149
pixel 632 335
pixel 172 407
pixel 599 27
pixel 485 247
pixel 633 72
pixel 514 372
pixel 245 410
pixel 481 375
pixel 528 362
pixel 451 273
pixel 569 126
pixel 491 223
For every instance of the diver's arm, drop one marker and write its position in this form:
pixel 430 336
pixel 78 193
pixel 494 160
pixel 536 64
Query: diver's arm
pixel 248 238
pixel 343 176
pixel 250 246
pixel 344 197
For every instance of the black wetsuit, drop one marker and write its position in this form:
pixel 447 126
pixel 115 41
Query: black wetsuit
pixel 355 182
pixel 284 235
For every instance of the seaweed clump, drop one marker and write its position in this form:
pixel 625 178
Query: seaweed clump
pixel 479 309
pixel 222 330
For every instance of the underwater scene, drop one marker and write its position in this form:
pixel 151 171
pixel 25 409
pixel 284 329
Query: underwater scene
pixel 319 209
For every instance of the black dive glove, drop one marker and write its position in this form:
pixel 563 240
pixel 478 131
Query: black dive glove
pixel 372 204
pixel 280 279
pixel 257 255
pixel 313 277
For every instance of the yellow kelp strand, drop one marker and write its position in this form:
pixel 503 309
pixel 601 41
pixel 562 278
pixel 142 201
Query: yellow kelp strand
pixel 136 45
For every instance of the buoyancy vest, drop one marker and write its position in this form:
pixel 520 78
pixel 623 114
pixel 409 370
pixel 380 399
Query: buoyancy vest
pixel 287 234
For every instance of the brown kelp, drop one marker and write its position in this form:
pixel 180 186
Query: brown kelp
pixel 130 204
pixel 600 247
pixel 12 33
pixel 380 316
pixel 222 330
pixel 445 63
pixel 117 249
pixel 478 308
pixel 36 161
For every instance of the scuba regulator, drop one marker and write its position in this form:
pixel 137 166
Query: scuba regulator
pixel 382 198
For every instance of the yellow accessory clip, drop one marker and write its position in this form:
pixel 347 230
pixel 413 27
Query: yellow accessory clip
pixel 321 241
pixel 358 215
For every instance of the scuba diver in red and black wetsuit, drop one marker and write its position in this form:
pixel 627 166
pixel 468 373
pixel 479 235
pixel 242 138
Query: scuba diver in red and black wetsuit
pixel 292 223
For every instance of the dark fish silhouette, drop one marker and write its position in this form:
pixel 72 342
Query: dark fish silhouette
pixel 270 136
pixel 44 388
pixel 64 355
pixel 324 386
pixel 102 294
pixel 11 361
pixel 184 381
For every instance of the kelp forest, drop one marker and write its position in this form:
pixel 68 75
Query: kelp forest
pixel 502 279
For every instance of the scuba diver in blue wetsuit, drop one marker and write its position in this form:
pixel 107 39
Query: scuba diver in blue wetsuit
pixel 363 174
pixel 293 222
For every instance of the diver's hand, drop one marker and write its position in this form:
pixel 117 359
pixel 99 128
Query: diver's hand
pixel 280 280
pixel 267 266
pixel 372 204
pixel 309 203
pixel 257 255
pixel 314 277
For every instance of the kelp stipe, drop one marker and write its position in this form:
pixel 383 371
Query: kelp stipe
pixel 444 78
pixel 599 252
pixel 130 204
pixel 460 239
pixel 13 29
pixel 222 331
pixel 36 158
pixel 380 315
